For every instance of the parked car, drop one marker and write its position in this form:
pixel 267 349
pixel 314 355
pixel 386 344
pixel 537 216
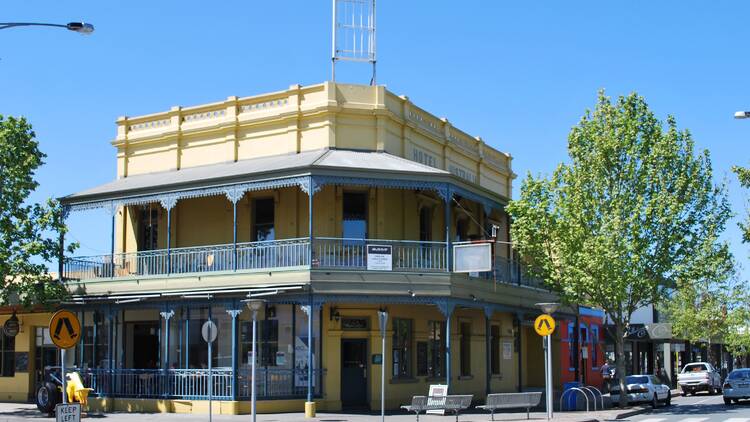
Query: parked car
pixel 737 386
pixel 699 376
pixel 643 389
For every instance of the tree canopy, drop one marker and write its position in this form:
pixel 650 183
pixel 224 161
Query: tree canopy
pixel 28 231
pixel 633 213
pixel 744 175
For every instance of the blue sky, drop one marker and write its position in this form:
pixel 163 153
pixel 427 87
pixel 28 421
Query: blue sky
pixel 519 74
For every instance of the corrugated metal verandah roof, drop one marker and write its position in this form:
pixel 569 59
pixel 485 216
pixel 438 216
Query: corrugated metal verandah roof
pixel 309 170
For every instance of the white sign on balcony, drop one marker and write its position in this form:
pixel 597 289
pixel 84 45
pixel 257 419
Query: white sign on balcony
pixel 472 257
pixel 379 257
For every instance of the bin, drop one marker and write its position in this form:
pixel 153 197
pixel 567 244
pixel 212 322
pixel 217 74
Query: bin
pixel 570 402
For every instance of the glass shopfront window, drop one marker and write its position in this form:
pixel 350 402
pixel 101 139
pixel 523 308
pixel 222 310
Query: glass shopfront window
pixel 92 351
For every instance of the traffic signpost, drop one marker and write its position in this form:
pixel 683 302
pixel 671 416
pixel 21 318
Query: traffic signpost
pixel 544 325
pixel 65 331
pixel 383 319
pixel 209 331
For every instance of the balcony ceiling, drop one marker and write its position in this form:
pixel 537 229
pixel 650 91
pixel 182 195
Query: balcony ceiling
pixel 326 161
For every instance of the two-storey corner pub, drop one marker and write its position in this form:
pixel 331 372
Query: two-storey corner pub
pixel 331 202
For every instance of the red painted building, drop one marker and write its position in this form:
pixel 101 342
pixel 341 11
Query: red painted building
pixel 590 343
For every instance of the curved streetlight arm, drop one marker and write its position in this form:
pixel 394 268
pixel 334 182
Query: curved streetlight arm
pixel 5 25
pixel 80 27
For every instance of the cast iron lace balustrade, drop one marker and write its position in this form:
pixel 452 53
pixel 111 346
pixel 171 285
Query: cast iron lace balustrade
pixel 328 253
pixel 193 383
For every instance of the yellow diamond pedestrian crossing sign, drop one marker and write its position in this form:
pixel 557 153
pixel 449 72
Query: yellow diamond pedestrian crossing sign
pixel 544 325
pixel 64 329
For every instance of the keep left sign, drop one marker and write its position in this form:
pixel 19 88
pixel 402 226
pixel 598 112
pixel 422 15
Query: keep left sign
pixel 68 412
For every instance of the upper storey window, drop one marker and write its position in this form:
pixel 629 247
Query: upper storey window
pixel 355 215
pixel 149 223
pixel 263 220
pixel 425 224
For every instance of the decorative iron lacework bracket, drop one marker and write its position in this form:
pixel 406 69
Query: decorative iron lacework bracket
pixel 308 184
pixel 168 200
pixel 488 311
pixel 234 194
pixel 167 315
pixel 234 313
pixel 446 307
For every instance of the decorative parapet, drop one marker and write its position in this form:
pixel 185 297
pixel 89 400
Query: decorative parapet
pixel 497 158
pixel 425 120
pixel 235 110
pixel 206 115
pixel 263 105
pixel 151 124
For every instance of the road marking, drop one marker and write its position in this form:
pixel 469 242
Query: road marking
pixel 737 420
pixel 700 401
pixel 653 420
pixel 693 419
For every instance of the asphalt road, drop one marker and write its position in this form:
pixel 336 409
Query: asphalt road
pixel 700 408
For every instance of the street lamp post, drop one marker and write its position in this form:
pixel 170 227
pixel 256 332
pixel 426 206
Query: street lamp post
pixel 79 27
pixel 548 308
pixel 254 305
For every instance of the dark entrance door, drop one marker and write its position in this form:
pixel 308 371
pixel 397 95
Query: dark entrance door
pixel 354 373
pixel 146 345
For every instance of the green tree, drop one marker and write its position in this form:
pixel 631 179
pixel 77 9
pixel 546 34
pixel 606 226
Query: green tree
pixel 737 339
pixel 632 211
pixel 744 175
pixel 703 308
pixel 28 231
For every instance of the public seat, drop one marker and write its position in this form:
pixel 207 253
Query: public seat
pixel 75 389
pixel 455 404
pixel 511 401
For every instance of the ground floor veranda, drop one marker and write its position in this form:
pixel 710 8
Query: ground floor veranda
pixel 150 356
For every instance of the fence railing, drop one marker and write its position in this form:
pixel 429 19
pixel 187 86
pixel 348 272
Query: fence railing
pixel 193 383
pixel 247 256
pixel 511 272
pixel 406 255
pixel 327 253
pixel 156 383
pixel 276 383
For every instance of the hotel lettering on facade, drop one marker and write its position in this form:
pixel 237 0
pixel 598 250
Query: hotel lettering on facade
pixel 279 196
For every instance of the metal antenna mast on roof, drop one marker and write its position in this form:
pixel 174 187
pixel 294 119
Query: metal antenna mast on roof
pixel 353 33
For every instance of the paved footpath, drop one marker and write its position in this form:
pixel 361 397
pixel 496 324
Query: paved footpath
pixel 682 408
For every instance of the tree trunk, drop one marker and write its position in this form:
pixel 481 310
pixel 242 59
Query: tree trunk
pixel 620 353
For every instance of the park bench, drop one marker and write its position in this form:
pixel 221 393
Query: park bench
pixel 511 401
pixel 453 404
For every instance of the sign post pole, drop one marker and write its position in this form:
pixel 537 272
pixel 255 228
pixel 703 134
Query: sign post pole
pixel 65 331
pixel 383 317
pixel 210 382
pixel 209 331
pixel 549 376
pixel 544 325
pixel 62 375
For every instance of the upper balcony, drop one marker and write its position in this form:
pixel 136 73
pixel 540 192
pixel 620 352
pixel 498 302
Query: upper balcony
pixel 292 184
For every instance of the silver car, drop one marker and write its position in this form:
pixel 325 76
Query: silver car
pixel 737 386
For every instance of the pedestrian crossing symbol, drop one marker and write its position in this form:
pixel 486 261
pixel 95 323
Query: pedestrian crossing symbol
pixel 544 325
pixel 65 329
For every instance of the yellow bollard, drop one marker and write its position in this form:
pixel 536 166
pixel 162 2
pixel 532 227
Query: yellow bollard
pixel 309 409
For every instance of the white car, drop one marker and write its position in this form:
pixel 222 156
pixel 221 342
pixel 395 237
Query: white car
pixel 737 386
pixel 643 389
pixel 699 376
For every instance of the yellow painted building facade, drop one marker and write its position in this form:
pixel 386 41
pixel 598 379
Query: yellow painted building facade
pixel 215 204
